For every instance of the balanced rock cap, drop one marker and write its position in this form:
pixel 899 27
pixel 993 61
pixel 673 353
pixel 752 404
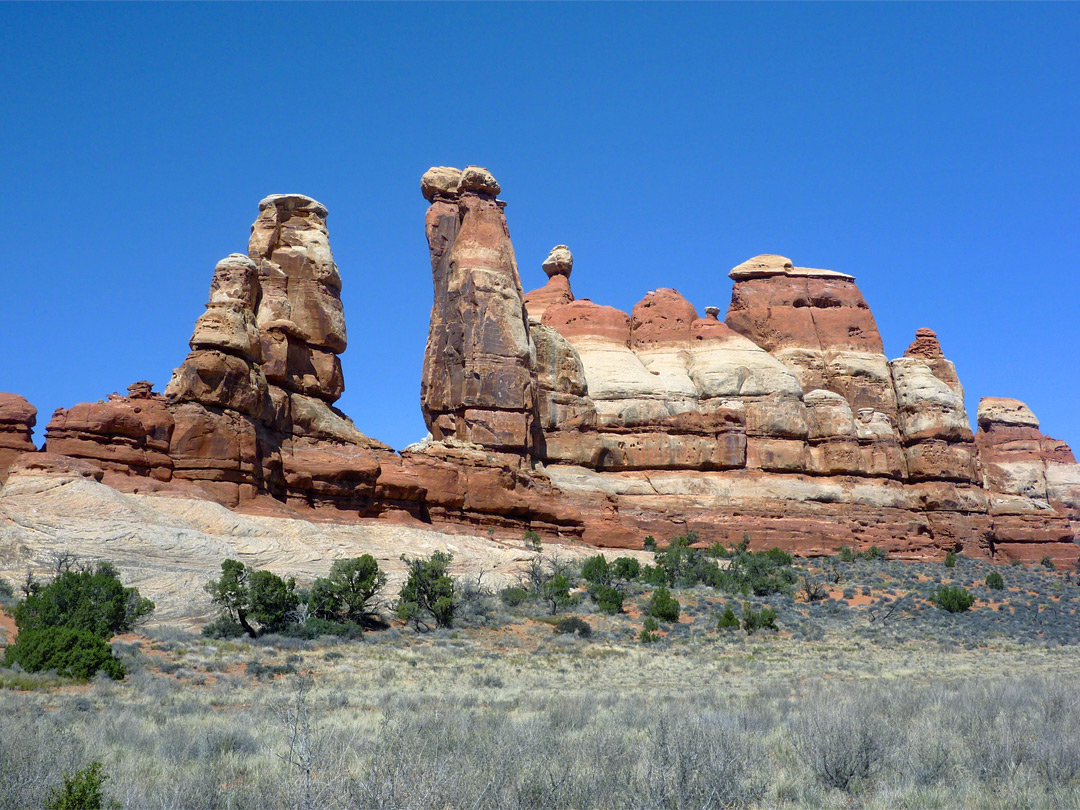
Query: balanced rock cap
pixel 560 262
pixel 293 202
pixel 480 180
pixel 1003 411
pixel 712 312
pixel 443 180
pixel 769 264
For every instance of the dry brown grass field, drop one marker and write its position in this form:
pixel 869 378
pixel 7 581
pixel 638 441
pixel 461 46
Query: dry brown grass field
pixel 845 704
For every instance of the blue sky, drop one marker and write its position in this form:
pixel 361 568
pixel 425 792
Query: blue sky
pixel 933 151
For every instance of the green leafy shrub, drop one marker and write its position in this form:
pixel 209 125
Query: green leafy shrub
pixel 663 606
pixel 626 568
pixel 245 595
pixel 70 652
pixel 994 581
pixel 513 596
pixel 65 625
pixel 573 624
pixel 350 592
pixel 754 620
pixel 728 620
pixel 607 599
pixel 596 570
pixel 953 598
pixel 760 573
pixel 428 593
pixel 1047 562
pixel 649 543
pixel 846 554
pixel 654 575
pixel 950 559
pixel 91 599
pixel 82 791
pixel 6 591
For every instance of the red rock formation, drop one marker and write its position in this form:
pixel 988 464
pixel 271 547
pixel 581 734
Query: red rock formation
pixel 17 420
pixel 784 424
pixel 558 266
pixel 479 380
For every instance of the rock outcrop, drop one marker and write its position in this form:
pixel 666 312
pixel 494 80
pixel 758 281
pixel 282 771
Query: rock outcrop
pixel 17 420
pixel 784 423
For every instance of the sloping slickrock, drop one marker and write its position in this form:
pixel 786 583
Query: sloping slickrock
pixel 17 420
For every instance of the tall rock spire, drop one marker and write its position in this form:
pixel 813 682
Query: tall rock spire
pixel 479 378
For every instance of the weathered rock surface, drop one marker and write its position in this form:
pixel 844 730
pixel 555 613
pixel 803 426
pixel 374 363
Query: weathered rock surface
pixel 479 378
pixel 784 422
pixel 17 420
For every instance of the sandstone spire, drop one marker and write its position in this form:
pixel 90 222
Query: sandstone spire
pixel 479 379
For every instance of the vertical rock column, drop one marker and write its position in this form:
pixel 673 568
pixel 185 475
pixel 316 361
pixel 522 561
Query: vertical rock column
pixel 479 380
pixel 300 317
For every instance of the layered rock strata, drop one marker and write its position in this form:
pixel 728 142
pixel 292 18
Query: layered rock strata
pixel 783 423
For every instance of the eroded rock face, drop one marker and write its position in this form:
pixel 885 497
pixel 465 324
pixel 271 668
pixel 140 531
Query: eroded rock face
pixel 17 420
pixel 783 423
pixel 479 377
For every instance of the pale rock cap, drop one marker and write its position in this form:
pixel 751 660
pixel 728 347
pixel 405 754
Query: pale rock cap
pixel 234 280
pixel 712 312
pixel 293 202
pixel 1002 411
pixel 480 180
pixel 442 180
pixel 770 264
pixel 560 262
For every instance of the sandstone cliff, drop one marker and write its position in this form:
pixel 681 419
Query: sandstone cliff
pixel 784 422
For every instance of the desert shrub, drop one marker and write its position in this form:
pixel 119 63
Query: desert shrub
pixel 663 606
pixel 728 620
pixel 272 600
pixel 257 601
pixel 994 581
pixel 81 791
pixel 953 598
pixel 513 596
pixel 427 597
pixel 64 625
pixel 846 554
pixel 350 592
pixel 754 620
pixel 608 599
pixel 1047 562
pixel 841 741
pixel 223 627
pixel 314 627
pixel 556 594
pixel 70 652
pixel 91 599
pixel 650 623
pixel 6 591
pixel 950 559
pixel 573 624
pixel 760 573
pixel 649 544
pixel 626 568
pixel 647 636
pixel 596 570
pixel 654 575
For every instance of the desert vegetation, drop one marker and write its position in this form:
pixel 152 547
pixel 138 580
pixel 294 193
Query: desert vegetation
pixel 748 693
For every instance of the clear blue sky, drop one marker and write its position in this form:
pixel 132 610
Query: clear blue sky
pixel 931 150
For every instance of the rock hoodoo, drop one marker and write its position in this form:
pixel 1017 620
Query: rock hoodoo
pixel 783 422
